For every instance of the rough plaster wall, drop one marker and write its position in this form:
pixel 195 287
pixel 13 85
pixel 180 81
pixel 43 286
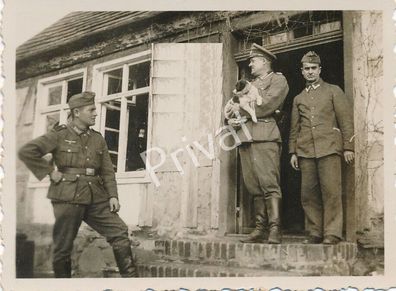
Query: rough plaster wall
pixel 166 204
pixel 203 203
pixel 25 98
pixel 39 206
pixel 368 96
pixel 130 202
pixel 375 117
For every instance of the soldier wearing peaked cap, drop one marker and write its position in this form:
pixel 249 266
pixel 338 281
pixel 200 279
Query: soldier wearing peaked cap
pixel 83 185
pixel 321 133
pixel 259 51
pixel 260 155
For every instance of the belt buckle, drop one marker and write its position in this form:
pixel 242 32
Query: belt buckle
pixel 90 172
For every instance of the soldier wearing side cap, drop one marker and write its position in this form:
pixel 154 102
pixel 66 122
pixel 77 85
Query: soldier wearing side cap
pixel 321 134
pixel 260 155
pixel 83 185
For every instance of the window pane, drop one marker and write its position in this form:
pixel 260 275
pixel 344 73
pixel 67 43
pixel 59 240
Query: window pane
pixel 111 138
pixel 113 114
pixel 137 115
pixel 51 120
pixel 74 87
pixel 54 95
pixel 112 125
pixel 139 76
pixel 114 84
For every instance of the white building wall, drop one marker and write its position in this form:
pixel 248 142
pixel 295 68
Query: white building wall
pixel 367 63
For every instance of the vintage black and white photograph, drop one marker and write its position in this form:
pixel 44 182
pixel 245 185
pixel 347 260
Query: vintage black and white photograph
pixel 243 143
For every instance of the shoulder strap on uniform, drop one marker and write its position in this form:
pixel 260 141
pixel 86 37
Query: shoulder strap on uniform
pixel 59 127
pixel 278 73
pixel 93 130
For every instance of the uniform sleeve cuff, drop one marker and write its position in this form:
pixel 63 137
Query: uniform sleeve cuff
pixel 40 175
pixel 349 147
pixel 292 149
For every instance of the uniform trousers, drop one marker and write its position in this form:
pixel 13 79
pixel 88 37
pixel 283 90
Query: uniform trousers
pixel 68 218
pixel 260 162
pixel 321 195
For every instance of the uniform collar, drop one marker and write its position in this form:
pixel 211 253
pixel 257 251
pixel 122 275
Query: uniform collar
pixel 269 73
pixel 78 130
pixel 314 85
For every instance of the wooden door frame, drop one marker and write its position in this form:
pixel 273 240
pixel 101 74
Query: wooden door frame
pixel 348 173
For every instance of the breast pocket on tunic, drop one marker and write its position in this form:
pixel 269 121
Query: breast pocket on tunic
pixel 68 156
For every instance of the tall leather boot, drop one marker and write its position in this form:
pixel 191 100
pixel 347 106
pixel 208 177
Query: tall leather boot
pixel 125 261
pixel 62 269
pixel 273 209
pixel 260 233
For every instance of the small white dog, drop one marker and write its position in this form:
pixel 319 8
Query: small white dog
pixel 247 96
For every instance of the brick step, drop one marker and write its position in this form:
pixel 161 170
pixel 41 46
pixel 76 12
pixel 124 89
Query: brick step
pixel 216 253
pixel 228 252
pixel 163 268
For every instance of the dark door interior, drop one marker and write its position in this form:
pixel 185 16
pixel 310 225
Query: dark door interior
pixel 289 64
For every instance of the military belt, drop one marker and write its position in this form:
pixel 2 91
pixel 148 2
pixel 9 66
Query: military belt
pixel 264 120
pixel 79 171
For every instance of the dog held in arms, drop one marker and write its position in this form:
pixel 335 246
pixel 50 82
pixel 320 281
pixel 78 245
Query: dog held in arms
pixel 247 96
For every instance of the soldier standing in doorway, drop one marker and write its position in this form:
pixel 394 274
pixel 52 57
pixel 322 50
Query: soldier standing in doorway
pixel 321 133
pixel 83 185
pixel 260 155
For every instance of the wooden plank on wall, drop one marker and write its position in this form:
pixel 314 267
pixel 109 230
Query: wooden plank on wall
pixel 214 99
pixel 260 17
pixel 192 93
pixel 349 172
pixel 227 164
pixel 199 100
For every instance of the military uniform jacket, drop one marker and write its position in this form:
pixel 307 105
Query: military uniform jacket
pixel 321 122
pixel 72 150
pixel 273 88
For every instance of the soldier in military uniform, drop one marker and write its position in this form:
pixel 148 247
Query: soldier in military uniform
pixel 83 185
pixel 260 154
pixel 321 134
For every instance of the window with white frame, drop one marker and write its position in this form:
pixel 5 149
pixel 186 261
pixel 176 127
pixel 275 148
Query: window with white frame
pixel 53 95
pixel 52 108
pixel 123 87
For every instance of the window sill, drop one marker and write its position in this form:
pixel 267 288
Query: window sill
pixel 39 184
pixel 137 177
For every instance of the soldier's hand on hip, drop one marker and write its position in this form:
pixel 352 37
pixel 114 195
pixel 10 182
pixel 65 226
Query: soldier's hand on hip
pixel 294 162
pixel 114 204
pixel 349 156
pixel 55 176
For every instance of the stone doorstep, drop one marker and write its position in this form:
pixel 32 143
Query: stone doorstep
pixel 222 253
pixel 178 269
pixel 301 268
pixel 255 255
pixel 152 265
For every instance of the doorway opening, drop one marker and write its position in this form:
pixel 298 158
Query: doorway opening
pixel 288 63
